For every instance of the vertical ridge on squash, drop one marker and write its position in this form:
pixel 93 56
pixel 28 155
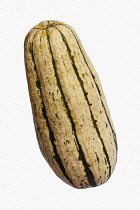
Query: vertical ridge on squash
pixel 72 121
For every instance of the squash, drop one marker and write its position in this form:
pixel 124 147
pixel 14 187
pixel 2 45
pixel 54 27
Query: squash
pixel 74 129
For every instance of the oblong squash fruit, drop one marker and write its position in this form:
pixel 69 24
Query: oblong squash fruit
pixel 73 126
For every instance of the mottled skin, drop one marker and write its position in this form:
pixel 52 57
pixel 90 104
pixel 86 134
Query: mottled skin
pixel 72 121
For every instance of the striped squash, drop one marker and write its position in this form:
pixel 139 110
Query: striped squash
pixel 73 126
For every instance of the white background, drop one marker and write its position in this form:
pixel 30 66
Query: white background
pixel 110 33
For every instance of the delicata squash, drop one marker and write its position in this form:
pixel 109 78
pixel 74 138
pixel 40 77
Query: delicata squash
pixel 74 129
